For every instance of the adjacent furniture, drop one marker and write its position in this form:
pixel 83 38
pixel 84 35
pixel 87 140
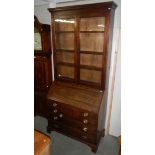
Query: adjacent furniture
pixel 42 66
pixel 42 144
pixel 119 143
pixel 76 100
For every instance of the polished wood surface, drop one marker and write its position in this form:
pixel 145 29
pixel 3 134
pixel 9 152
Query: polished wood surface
pixel 119 142
pixel 42 68
pixel 76 100
pixel 42 144
pixel 80 97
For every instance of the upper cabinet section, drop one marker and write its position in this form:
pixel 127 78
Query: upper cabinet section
pixel 42 39
pixel 81 36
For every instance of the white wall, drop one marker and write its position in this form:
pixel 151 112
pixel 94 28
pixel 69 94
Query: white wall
pixel 115 120
pixel 42 13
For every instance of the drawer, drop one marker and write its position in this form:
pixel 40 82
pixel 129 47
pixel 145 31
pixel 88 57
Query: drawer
pixel 71 131
pixel 87 128
pixel 72 112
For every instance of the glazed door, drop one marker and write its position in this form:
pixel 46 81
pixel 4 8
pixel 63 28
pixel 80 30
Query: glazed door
pixel 91 36
pixel 79 44
pixel 65 49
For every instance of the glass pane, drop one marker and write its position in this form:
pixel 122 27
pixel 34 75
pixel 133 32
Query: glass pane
pixel 92 24
pixel 65 41
pixel 65 57
pixel 64 24
pixel 91 42
pixel 65 71
pixel 91 60
pixel 90 75
pixel 37 41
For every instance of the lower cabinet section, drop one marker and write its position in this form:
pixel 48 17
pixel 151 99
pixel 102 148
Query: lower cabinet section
pixel 71 113
pixel 76 123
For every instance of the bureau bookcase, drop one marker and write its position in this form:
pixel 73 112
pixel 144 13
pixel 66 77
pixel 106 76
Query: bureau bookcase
pixel 81 41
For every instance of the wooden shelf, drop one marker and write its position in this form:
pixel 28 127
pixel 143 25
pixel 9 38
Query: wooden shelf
pixel 64 31
pixel 91 52
pixel 93 84
pixel 66 79
pixel 91 67
pixel 91 31
pixel 66 64
pixel 63 50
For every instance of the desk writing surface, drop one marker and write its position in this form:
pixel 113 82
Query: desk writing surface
pixel 75 95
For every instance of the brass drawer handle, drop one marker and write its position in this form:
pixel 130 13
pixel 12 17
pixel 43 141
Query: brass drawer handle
pixel 85 129
pixel 85 114
pixel 85 121
pixel 55 110
pixel 54 104
pixel 55 118
pixel 61 115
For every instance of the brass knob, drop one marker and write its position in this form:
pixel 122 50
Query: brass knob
pixel 54 104
pixel 85 121
pixel 61 115
pixel 55 118
pixel 85 129
pixel 55 110
pixel 85 114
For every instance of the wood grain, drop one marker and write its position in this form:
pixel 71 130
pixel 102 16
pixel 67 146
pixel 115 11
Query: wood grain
pixel 41 143
pixel 75 96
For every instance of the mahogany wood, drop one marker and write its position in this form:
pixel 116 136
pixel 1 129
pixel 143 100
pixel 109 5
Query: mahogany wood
pixel 82 46
pixel 42 143
pixel 42 69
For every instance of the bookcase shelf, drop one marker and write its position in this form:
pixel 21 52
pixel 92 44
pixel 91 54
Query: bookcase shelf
pixel 65 64
pixel 92 52
pixel 63 50
pixel 91 67
pixel 65 32
pixel 91 31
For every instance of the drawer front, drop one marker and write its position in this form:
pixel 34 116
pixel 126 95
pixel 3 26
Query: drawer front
pixel 74 132
pixel 86 128
pixel 70 112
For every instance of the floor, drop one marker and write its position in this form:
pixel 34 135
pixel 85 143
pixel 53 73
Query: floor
pixel 63 145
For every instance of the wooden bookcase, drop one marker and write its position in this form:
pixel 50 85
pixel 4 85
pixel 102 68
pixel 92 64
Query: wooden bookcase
pixel 81 40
